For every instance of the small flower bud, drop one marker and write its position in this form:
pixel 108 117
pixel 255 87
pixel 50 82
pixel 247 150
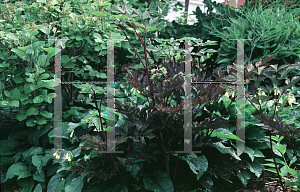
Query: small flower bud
pixel 82 17
pixel 28 26
pixel 13 9
pixel 33 26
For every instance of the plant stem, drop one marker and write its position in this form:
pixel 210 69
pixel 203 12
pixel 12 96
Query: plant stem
pixel 165 153
pixel 282 185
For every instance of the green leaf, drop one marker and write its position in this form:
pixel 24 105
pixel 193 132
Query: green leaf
pixel 20 53
pixel 1 86
pixel 158 181
pixel 11 36
pixel 21 117
pixel 14 103
pixel 32 111
pixel 281 148
pixel 17 169
pixel 76 184
pixel 38 99
pixel 224 133
pixel 37 161
pixel 7 93
pixel 145 15
pixel 38 188
pixel 244 176
pixel 41 121
pixel 46 114
pixel 223 149
pixel 54 182
pixel 65 59
pixel 30 123
pixel 15 94
pixel 17 79
pixel 44 76
pixel 256 168
pixel 45 30
pixel 197 164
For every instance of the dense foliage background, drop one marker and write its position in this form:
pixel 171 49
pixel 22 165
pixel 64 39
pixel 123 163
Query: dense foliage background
pixel 149 96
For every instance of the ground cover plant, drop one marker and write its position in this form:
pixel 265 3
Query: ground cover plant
pixel 149 109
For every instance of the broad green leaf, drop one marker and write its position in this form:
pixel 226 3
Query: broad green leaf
pixel 14 103
pixel 197 164
pixel 15 94
pixel 30 123
pixel 11 36
pixel 223 149
pixel 65 58
pixel 20 53
pixel 158 181
pixel 21 117
pixel 38 188
pixel 256 168
pixel 42 60
pixel 145 15
pixel 45 30
pixel 17 79
pixel 17 169
pixel 1 86
pixel 76 184
pixel 44 76
pixel 53 184
pixel 32 111
pixel 37 161
pixel 46 114
pixel 38 99
pixel 281 148
pixel 41 121
pixel 224 133
pixel 244 176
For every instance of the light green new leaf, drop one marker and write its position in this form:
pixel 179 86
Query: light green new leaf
pixel 46 114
